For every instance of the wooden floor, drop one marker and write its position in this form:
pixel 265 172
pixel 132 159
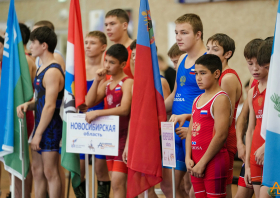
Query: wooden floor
pixel 5 182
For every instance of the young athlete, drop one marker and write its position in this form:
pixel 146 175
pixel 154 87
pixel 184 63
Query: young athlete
pixel 250 54
pixel 207 158
pixel 174 54
pixel 61 61
pixel 254 142
pixel 57 54
pixel 116 24
pixel 49 85
pixel 95 45
pixel 189 35
pixel 117 91
pixel 223 46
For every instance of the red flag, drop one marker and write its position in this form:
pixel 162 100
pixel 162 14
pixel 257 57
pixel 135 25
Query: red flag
pixel 75 37
pixel 147 111
pixel 75 85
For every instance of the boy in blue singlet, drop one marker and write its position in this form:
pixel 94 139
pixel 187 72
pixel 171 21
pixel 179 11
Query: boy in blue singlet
pixel 95 45
pixel 48 85
pixel 189 35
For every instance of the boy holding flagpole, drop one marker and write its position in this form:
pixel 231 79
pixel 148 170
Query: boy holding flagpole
pixel 49 85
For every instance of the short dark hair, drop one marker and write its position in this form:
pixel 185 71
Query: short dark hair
pixel 119 52
pixel 175 51
pixel 225 41
pixel 211 62
pixel 1 40
pixel 120 14
pixel 251 49
pixel 194 20
pixel 133 45
pixel 25 33
pixel 98 34
pixel 264 53
pixel 45 35
pixel 45 23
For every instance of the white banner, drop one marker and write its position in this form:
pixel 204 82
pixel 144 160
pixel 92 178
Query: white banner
pixel 100 137
pixel 168 144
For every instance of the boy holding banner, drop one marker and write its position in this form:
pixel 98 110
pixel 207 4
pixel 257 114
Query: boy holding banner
pixel 207 158
pixel 255 144
pixel 95 45
pixel 118 95
pixel 49 85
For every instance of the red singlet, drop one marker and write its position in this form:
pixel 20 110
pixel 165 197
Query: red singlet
pixel 231 140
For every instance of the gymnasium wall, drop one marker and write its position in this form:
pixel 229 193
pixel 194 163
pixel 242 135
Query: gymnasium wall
pixel 241 20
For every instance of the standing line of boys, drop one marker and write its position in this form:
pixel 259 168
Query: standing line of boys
pixel 203 103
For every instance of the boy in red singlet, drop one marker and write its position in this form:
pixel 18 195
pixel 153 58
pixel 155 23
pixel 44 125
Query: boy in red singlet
pixel 117 91
pixel 254 142
pixel 207 158
pixel 116 24
pixel 250 54
pixel 223 46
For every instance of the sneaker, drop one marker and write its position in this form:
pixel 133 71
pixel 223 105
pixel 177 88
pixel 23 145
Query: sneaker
pixel 103 191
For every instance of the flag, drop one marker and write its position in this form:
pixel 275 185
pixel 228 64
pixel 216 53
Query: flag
pixel 75 85
pixel 270 130
pixel 147 111
pixel 16 89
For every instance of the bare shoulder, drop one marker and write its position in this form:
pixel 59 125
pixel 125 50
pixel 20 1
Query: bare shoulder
pixel 128 82
pixel 181 58
pixel 230 78
pixel 53 73
pixel 163 81
pixel 221 100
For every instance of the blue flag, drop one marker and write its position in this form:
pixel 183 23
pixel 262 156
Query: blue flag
pixel 16 88
pixel 271 114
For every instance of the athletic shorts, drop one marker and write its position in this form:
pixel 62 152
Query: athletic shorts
pixel 241 181
pixel 115 163
pixel 213 184
pixel 256 173
pixel 180 149
pixel 82 156
pixel 230 170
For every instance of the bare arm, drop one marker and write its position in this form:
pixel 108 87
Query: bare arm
pixel 122 110
pixel 249 137
pixel 165 88
pixel 229 85
pixel 241 129
pixel 96 92
pixel 189 142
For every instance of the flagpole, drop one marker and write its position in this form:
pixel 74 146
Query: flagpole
pixel 146 194
pixel 22 158
pixel 173 183
pixel 93 174
pixel 87 176
pixel 13 186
